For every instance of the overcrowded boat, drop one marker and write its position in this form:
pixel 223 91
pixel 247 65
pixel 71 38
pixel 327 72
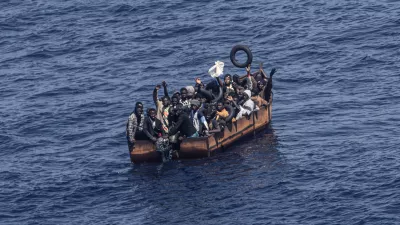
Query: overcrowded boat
pixel 201 120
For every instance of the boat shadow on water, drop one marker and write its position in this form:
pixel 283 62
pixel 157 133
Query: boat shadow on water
pixel 251 152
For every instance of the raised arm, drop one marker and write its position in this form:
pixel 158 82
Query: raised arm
pixel 164 84
pixel 155 94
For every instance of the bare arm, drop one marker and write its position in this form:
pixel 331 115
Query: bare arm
pixel 263 74
pixel 155 96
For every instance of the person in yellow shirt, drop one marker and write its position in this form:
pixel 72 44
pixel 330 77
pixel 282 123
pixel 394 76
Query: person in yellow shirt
pixel 218 123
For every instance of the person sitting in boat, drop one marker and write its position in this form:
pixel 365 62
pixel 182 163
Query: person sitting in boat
pixel 231 107
pixel 152 126
pixel 221 113
pixel 172 117
pixel 233 101
pixel 247 81
pixel 240 95
pixel 197 117
pixel 175 100
pixel 184 98
pixel 266 94
pixel 183 125
pixel 134 126
pixel 264 91
pixel 162 106
pixel 227 86
pixel 190 92
pixel 217 124
pixel 247 107
pixel 209 111
pixel 258 101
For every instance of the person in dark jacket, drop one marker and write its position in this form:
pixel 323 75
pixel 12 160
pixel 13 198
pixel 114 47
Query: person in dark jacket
pixel 172 118
pixel 227 85
pixel 152 126
pixel 183 125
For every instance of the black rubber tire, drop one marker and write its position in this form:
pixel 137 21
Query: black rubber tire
pixel 244 48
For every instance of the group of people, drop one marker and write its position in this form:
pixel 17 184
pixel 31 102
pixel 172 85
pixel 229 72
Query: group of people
pixel 199 110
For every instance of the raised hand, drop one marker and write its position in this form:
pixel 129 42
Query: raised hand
pixel 198 81
pixel 272 72
pixel 164 84
pixel 248 68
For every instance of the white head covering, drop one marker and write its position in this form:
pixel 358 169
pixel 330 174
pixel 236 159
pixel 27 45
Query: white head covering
pixel 248 92
pixel 190 90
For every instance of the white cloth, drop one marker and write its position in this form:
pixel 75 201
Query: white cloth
pixel 217 69
pixel 185 103
pixel 248 93
pixel 244 111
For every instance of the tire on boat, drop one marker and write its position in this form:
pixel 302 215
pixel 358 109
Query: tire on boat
pixel 219 96
pixel 244 48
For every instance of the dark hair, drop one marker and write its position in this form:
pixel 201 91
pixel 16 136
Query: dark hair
pixel 175 96
pixel 151 109
pixel 236 79
pixel 183 89
pixel 139 103
pixel 232 94
pixel 211 85
pixel 165 97
pixel 228 75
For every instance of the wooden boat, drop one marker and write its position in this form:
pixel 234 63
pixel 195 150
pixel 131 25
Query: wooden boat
pixel 145 151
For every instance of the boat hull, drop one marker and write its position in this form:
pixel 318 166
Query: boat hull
pixel 145 151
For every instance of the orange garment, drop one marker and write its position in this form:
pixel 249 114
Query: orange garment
pixel 223 114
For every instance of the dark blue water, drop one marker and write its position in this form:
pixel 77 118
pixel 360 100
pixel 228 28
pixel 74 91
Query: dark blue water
pixel 71 71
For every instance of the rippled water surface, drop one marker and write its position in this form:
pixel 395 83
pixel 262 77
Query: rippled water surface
pixel 72 70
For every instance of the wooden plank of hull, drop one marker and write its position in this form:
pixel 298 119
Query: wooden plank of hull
pixel 145 151
pixel 192 147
